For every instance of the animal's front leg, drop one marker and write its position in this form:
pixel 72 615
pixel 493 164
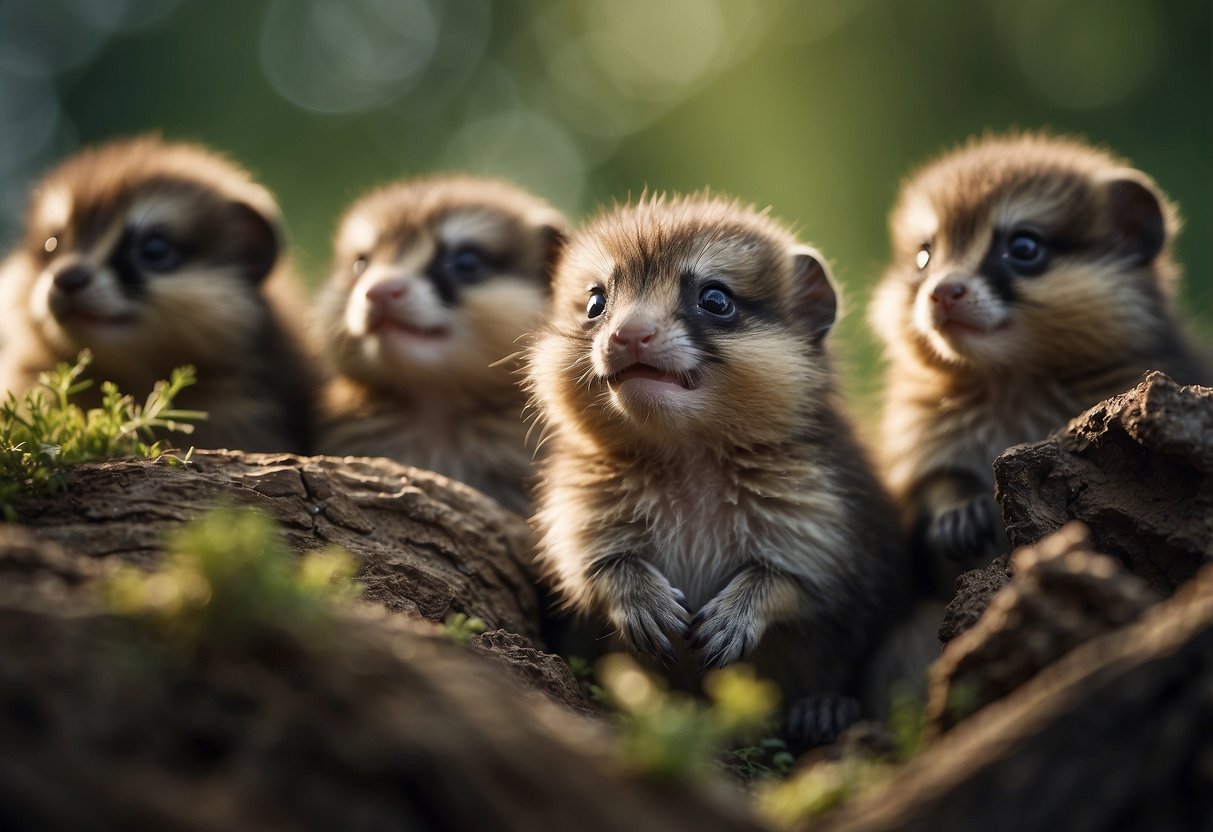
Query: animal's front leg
pixel 641 603
pixel 957 516
pixel 731 624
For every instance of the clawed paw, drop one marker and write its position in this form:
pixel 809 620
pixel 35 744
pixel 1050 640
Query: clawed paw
pixel 820 720
pixel 722 634
pixel 649 622
pixel 964 531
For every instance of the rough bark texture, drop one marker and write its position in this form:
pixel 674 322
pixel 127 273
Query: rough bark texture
pixel 534 668
pixel 1117 735
pixel 974 591
pixel 1136 469
pixel 365 722
pixel 426 545
pixel 1062 595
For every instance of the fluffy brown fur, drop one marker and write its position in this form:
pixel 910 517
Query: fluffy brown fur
pixel 1032 277
pixel 702 490
pixel 153 255
pixel 433 284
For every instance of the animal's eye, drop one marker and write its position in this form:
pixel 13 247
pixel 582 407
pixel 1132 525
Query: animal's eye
pixel 1026 252
pixel 923 256
pixel 717 301
pixel 596 305
pixel 468 264
pixel 360 263
pixel 155 251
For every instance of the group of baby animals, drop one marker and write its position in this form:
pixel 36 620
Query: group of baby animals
pixel 694 483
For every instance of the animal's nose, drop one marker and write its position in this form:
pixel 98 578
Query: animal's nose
pixel 948 293
pixel 635 336
pixel 387 291
pixel 73 278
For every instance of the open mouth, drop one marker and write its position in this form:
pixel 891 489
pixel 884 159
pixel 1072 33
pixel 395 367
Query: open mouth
pixel 957 326
pixel 76 318
pixel 648 373
pixel 386 325
pixel 952 325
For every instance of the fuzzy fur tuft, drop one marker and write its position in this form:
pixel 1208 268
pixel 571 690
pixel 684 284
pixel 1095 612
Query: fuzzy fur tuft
pixel 226 304
pixel 712 505
pixel 986 350
pixel 435 281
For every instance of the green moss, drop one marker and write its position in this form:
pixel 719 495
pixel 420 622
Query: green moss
pixel 228 574
pixel 962 700
pixel 44 431
pixel 907 722
pixel 669 735
pixel 825 785
pixel 461 629
pixel 818 789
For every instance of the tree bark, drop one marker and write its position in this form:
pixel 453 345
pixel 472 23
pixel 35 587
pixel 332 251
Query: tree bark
pixel 369 722
pixel 1137 469
pixel 1116 736
pixel 425 545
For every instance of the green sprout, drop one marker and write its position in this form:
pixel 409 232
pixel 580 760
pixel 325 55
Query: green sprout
pixel 43 432
pixel 461 629
pixel 673 736
pixel 823 786
pixel 230 573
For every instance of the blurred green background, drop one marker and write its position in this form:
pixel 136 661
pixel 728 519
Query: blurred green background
pixel 815 108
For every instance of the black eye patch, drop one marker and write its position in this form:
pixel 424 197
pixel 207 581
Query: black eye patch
pixel 455 267
pixel 130 277
pixel 1014 254
pixel 709 309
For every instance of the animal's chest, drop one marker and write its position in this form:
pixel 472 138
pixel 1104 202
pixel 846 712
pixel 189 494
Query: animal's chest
pixel 1005 417
pixel 699 532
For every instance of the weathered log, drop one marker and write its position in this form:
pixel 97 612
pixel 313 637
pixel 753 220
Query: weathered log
pixel 370 722
pixel 425 545
pixel 1137 469
pixel 1115 736
pixel 1062 595
pixel 974 591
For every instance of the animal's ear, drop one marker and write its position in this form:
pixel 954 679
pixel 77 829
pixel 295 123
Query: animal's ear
pixel 1137 216
pixel 553 231
pixel 257 240
pixel 815 301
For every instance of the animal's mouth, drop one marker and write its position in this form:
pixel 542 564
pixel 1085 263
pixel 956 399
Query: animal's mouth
pixel 646 372
pixel 387 325
pixel 79 319
pixel 951 325
pixel 960 326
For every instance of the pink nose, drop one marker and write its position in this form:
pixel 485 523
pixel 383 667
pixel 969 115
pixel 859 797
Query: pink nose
pixel 948 294
pixel 387 291
pixel 633 336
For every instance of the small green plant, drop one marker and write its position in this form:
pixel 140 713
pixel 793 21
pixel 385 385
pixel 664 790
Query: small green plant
pixel 767 758
pixel 812 792
pixel 815 790
pixel 907 722
pixel 581 668
pixel 963 699
pixel 672 736
pixel 461 629
pixel 229 573
pixel 583 672
pixel 43 432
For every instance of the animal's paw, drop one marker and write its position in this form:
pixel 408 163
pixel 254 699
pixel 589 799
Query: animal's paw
pixel 723 632
pixel 820 720
pixel 965 530
pixel 651 615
